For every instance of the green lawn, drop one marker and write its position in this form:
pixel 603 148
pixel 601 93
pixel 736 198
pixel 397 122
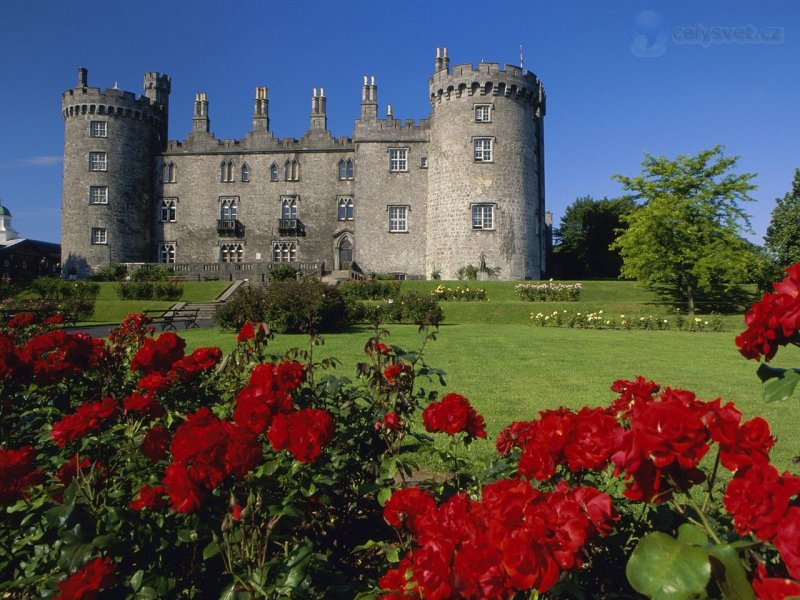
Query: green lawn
pixel 512 371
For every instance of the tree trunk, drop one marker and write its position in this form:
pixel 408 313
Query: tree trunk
pixel 690 297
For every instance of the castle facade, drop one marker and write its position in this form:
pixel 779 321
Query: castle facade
pixel 464 186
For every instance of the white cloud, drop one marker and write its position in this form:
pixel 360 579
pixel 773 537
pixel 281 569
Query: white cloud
pixel 34 161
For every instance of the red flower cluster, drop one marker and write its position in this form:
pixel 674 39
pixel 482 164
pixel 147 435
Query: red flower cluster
pixel 774 320
pixel 191 367
pixel 150 496
pixel 69 470
pixel 206 449
pixel 453 415
pixel 774 588
pixel 17 473
pixel 391 422
pixel 87 582
pixel 142 403
pixel 374 347
pixel 764 503
pixel 249 330
pixel 49 357
pixel 158 355
pixel 131 333
pixel 394 371
pixel 514 539
pixel 88 417
pixel 302 432
pixel 268 392
pixel 155 444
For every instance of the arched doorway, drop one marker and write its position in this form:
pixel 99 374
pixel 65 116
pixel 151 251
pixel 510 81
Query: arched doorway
pixel 345 252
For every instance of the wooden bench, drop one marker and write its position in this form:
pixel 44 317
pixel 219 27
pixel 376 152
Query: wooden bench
pixel 168 319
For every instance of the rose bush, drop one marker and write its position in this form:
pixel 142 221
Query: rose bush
pixel 133 469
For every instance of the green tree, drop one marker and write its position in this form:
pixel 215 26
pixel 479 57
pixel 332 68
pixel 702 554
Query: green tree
pixel 783 234
pixel 687 231
pixel 585 234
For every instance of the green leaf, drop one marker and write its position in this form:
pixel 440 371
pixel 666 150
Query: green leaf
pixel 136 580
pixel 766 372
pixel 229 593
pixel 663 568
pixel 692 535
pixel 146 593
pixel 392 555
pixel 388 468
pixel 727 569
pixel 781 387
pixel 211 550
pixel 384 495
pixel 187 536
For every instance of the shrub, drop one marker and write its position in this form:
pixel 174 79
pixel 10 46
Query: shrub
pixel 76 298
pixel 469 272
pixel 248 303
pixel 150 290
pixel 305 305
pixel 111 272
pixel 422 309
pixel 369 289
pixel 549 292
pixel 603 320
pixel 459 294
pixel 282 272
pixel 152 273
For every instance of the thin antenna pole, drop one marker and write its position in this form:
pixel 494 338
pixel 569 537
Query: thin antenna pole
pixel 521 61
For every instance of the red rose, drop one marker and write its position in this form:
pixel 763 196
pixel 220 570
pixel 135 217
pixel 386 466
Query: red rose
pixel 536 463
pixel 69 470
pixel 247 332
pixel 394 371
pixel 590 442
pixel 143 403
pixel 528 562
pixel 787 541
pixel 774 588
pixel 758 499
pixel 639 390
pixel 302 432
pixel 155 443
pixel 185 496
pixel 397 579
pixel 406 506
pixel 155 383
pixel 267 393
pixel 158 356
pixel 392 422
pixel 243 451
pixel 149 497
pixel 432 571
pixel 17 473
pixel 517 435
pixel 86 582
pixel 192 366
pixel 88 417
pixel 453 415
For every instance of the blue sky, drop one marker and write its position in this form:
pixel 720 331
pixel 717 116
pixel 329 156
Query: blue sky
pixel 622 78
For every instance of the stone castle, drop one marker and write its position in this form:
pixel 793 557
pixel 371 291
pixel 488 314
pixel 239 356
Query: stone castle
pixel 412 199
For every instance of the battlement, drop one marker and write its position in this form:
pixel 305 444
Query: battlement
pixel 486 79
pixel 208 144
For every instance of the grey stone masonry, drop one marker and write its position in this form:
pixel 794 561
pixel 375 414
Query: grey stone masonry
pixel 405 197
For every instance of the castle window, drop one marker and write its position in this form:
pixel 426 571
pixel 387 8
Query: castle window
pixel 283 252
pixel 291 170
pixel 423 162
pixel 98 129
pixel 483 113
pixel 483 216
pixel 98 161
pixel 231 253
pixel 98 194
pixel 99 235
pixel 346 169
pixel 273 172
pixel 166 253
pixel 245 172
pixel 226 171
pixel 483 149
pixel 345 209
pixel 228 208
pixel 398 160
pixel 169 173
pixel 398 219
pixel 288 207
pixel 168 210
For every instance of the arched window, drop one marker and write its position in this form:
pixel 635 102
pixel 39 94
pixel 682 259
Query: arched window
pixel 284 252
pixel 226 171
pixel 345 209
pixel 228 209
pixel 291 170
pixel 167 252
pixel 231 253
pixel 289 207
pixel 245 172
pixel 346 169
pixel 273 172
pixel 171 173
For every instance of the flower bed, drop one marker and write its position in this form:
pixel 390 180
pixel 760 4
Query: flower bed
pixel 602 320
pixel 459 294
pixel 130 468
pixel 549 292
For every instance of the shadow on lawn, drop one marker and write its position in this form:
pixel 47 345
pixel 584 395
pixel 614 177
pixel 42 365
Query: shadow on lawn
pixel 731 301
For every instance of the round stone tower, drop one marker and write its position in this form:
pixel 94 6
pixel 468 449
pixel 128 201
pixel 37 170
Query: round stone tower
pixel 486 171
pixel 111 138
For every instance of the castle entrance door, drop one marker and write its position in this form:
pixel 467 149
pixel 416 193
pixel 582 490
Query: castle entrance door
pixel 345 253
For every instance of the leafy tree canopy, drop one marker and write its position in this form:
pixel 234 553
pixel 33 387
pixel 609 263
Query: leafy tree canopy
pixel 587 230
pixel 783 234
pixel 687 231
